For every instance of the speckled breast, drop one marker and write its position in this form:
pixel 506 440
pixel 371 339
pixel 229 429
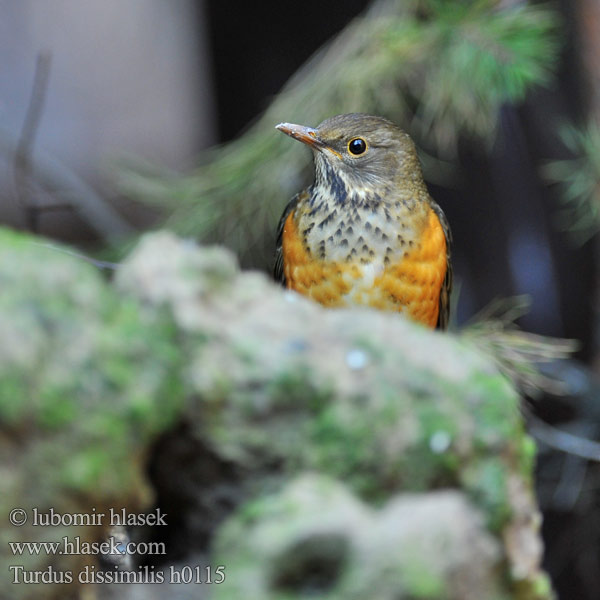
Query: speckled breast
pixel 382 261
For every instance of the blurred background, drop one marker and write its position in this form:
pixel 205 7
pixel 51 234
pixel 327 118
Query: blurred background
pixel 119 116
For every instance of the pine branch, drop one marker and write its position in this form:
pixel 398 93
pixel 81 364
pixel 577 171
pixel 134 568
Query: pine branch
pixel 518 354
pixel 483 58
pixel 438 72
pixel 579 180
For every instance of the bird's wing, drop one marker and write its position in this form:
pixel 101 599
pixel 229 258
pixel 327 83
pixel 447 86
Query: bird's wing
pixel 278 267
pixel 444 313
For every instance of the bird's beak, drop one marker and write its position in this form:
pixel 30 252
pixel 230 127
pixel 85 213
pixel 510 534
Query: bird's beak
pixel 306 135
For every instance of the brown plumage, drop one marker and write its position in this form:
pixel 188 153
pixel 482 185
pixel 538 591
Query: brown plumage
pixel 366 232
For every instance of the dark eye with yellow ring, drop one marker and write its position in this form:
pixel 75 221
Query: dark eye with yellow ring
pixel 357 146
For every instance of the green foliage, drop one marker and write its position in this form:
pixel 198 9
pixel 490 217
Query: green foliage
pixel 480 58
pixel 579 179
pixel 440 69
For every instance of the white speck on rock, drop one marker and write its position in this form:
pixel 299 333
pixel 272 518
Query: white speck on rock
pixel 440 442
pixel 357 359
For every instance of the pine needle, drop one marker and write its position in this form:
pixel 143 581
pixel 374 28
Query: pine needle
pixel 579 180
pixel 440 73
pixel 518 354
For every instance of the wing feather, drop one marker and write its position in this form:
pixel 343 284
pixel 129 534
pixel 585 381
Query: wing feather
pixel 278 265
pixel 446 289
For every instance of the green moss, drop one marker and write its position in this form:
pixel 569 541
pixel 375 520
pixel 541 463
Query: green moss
pixel 294 389
pixel 420 581
pixel 83 471
pixel 343 445
pixel 542 587
pixel 527 454
pixel 55 408
pixel 486 479
pixel 106 426
pixel 538 588
pixel 12 391
pixel 496 414
pixel 422 469
pixel 433 419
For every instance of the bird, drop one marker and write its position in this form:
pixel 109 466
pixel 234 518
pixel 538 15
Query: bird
pixel 366 232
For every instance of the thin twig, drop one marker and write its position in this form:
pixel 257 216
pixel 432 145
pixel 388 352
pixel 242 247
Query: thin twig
pixel 52 174
pixel 101 264
pixel 22 162
pixel 562 440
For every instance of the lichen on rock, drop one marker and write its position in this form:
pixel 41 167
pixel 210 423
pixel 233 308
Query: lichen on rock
pixel 183 355
pixel 316 538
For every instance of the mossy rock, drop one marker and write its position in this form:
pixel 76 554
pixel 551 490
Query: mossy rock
pixel 316 539
pixel 86 381
pixel 267 384
pixel 280 385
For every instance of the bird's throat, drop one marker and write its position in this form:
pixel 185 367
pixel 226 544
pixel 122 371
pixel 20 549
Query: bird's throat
pixel 341 225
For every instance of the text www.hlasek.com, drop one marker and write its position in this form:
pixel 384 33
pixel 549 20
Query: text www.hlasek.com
pixel 74 546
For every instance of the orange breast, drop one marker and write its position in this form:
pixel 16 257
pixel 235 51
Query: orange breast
pixel 411 284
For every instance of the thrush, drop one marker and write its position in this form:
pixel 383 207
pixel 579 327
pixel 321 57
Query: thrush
pixel 366 232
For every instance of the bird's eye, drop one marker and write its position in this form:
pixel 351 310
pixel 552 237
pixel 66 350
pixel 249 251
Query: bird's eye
pixel 357 146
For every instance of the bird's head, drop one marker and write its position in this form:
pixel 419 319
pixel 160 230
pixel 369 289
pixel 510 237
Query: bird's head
pixel 360 154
